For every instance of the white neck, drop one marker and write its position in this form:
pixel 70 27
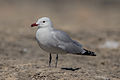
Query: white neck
pixel 49 28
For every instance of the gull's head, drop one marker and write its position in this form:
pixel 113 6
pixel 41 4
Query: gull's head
pixel 42 23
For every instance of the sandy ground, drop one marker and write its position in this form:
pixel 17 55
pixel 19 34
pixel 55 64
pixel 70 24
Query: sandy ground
pixel 22 59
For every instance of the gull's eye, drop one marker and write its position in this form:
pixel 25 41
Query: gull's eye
pixel 43 21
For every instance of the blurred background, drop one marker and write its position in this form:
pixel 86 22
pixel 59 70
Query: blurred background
pixel 94 23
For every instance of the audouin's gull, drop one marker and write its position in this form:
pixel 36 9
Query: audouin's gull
pixel 56 41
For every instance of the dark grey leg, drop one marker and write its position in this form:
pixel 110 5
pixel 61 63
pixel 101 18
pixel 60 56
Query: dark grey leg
pixel 56 60
pixel 50 58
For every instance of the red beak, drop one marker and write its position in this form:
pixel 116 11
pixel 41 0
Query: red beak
pixel 34 24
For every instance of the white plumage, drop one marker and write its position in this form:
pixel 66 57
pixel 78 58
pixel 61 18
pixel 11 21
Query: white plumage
pixel 56 41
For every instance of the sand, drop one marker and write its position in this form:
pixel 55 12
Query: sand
pixel 91 25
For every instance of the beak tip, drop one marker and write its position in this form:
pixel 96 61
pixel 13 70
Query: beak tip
pixel 31 25
pixel 34 24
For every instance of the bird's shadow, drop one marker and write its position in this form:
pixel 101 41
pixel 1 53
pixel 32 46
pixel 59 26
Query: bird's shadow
pixel 70 69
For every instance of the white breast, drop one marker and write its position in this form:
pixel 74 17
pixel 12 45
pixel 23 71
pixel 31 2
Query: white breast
pixel 43 35
pixel 46 41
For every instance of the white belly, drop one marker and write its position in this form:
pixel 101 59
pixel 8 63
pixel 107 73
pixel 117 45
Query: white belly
pixel 45 39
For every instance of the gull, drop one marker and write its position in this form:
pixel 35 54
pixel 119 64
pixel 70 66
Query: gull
pixel 55 41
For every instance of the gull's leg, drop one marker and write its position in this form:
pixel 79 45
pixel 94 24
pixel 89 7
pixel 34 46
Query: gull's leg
pixel 56 60
pixel 50 58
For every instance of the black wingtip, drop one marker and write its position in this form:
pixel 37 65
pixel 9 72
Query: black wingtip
pixel 93 54
pixel 89 53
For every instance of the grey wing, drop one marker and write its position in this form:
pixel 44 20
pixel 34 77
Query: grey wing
pixel 77 43
pixel 66 43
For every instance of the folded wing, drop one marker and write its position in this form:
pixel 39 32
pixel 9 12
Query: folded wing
pixel 66 43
